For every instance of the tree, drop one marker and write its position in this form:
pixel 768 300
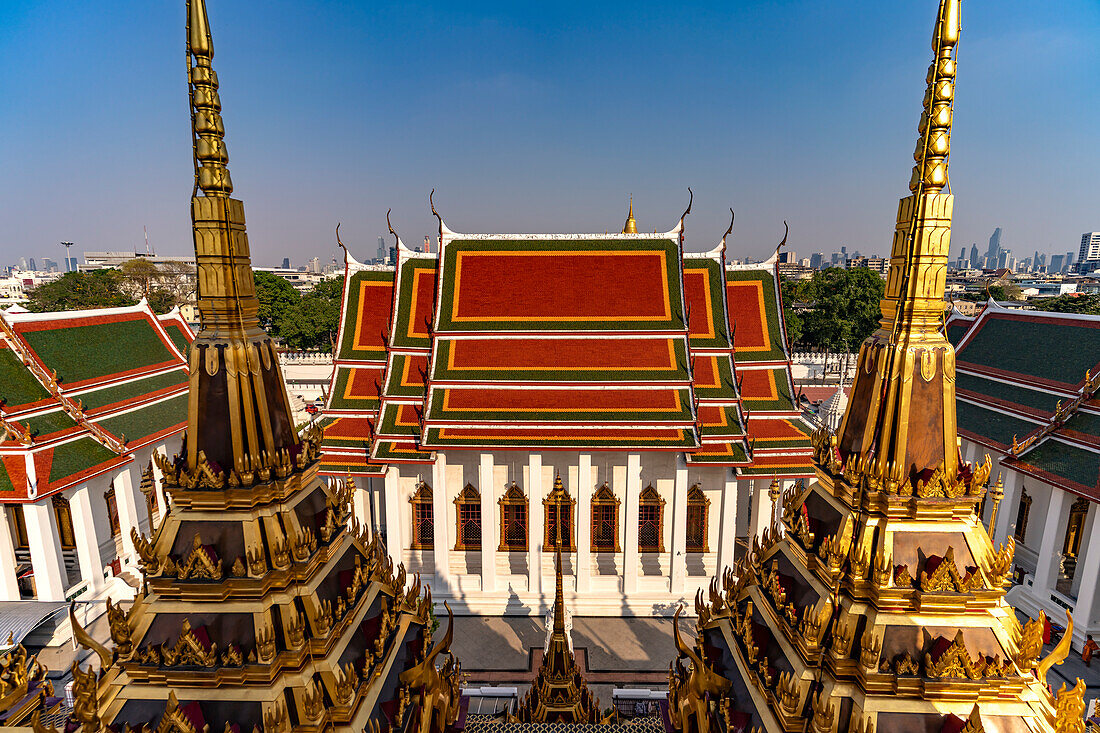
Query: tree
pixel 164 285
pixel 843 308
pixel 1071 303
pixel 277 297
pixel 312 321
pixel 139 275
pixel 80 291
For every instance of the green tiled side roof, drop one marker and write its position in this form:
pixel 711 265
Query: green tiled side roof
pixel 1069 462
pixel 715 285
pixel 728 388
pixel 437 411
pixel 17 385
pixel 393 387
pixel 1059 352
pixel 737 455
pixel 1044 401
pixel 684 439
pixel 403 304
pixel 179 338
pixel 78 353
pixel 784 401
pixel 51 422
pixel 77 456
pixel 351 315
pixel 146 421
pixel 338 401
pixel 1084 422
pixel 6 484
pixel 956 330
pixel 121 392
pixel 990 424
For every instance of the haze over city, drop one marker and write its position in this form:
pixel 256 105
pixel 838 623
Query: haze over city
pixel 543 118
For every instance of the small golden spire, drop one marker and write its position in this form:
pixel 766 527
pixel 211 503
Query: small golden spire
pixel 211 155
pixel 631 226
pixel 934 144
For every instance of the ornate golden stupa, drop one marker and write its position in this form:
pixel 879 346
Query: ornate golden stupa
pixel 559 693
pixel 876 601
pixel 262 606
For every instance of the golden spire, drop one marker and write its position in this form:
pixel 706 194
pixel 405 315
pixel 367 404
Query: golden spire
pixel 631 226
pixel 238 413
pixel 908 358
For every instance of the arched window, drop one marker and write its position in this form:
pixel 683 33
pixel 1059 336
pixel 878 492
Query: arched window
pixel 513 520
pixel 1021 516
pixel 698 506
pixel 468 511
pixel 112 512
pixel 423 524
pixel 605 520
pixel 1076 525
pixel 651 511
pixel 64 518
pixel 559 505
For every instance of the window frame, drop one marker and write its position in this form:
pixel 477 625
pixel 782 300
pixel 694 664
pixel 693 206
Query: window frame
pixel 422 499
pixel 1022 514
pixel 557 498
pixel 112 512
pixel 468 499
pixel 515 499
pixel 652 499
pixel 63 515
pixel 603 499
pixel 697 500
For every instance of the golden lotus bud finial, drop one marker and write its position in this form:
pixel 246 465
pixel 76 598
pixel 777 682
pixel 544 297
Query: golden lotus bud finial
pixel 211 155
pixel 631 226
pixel 934 144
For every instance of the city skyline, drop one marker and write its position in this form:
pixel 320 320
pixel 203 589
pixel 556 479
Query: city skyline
pixel 526 122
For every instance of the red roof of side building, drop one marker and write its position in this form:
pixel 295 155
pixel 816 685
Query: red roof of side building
pixel 82 390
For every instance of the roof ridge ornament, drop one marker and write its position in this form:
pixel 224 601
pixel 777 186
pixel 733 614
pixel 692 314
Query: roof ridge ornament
pixel 443 229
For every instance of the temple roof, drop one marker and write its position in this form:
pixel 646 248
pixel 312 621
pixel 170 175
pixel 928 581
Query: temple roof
pixel 613 341
pixel 1026 386
pixel 83 389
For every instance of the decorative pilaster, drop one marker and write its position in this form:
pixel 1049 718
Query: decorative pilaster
pixel 630 504
pixel 582 492
pixel 394 527
pixel 441 500
pixel 678 555
pixel 490 523
pixel 46 558
pixel 1006 516
pixel 535 495
pixel 9 584
pixel 1050 550
pixel 87 541
pixel 727 526
pixel 129 520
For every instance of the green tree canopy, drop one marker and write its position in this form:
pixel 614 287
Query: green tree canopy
pixel 308 321
pixel 276 297
pixel 80 291
pixel 1071 303
pixel 837 308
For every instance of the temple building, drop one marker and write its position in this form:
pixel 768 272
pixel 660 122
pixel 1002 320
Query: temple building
pixel 876 600
pixel 262 605
pixel 655 381
pixel 86 399
pixel 1026 391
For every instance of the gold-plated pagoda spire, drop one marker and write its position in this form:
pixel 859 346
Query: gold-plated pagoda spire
pixel 631 226
pixel 239 427
pixel 908 358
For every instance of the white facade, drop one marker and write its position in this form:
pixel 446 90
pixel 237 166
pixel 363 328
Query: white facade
pixel 630 581
pixel 1046 521
pixel 101 563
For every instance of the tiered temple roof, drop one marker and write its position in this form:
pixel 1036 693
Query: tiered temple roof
pixel 262 607
pixel 81 390
pixel 876 601
pixel 599 341
pixel 1027 386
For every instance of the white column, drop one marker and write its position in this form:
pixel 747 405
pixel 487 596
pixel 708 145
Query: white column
pixel 727 527
pixel 126 499
pixel 9 585
pixel 1050 550
pixel 395 525
pixel 761 506
pixel 87 543
pixel 1008 509
pixel 582 492
pixel 535 496
pixel 678 557
pixel 1089 572
pixel 490 523
pixel 630 504
pixel 49 567
pixel 441 523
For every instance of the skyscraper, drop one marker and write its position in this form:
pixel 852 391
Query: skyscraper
pixel 974 255
pixel 994 250
pixel 286 263
pixel 1057 262
pixel 1090 250
pixel 383 250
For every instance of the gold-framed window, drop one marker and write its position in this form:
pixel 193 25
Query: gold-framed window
pixel 513 520
pixel 112 512
pixel 605 520
pixel 64 516
pixel 468 517
pixel 558 504
pixel 18 526
pixel 698 509
pixel 423 520
pixel 651 514
pixel 1022 515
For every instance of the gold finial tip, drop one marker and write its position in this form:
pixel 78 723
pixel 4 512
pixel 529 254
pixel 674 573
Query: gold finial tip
pixel 631 226
pixel 949 22
pixel 199 28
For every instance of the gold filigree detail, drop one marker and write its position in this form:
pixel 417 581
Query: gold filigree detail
pixel 200 563
pixel 955 662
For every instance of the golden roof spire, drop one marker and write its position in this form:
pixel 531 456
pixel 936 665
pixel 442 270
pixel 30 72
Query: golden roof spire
pixel 238 413
pixel 631 226
pixel 879 425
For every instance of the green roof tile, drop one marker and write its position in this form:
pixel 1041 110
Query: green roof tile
pixel 17 385
pixel 1060 352
pixel 1044 401
pixel 1069 462
pixel 79 455
pixel 179 338
pixel 146 421
pixel 990 424
pixel 49 423
pixel 80 352
pixel 119 393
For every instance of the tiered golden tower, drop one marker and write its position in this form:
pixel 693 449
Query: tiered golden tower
pixel 262 606
pixel 877 603
pixel 559 693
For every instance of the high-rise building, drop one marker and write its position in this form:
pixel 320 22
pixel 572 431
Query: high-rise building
pixel 974 260
pixel 816 259
pixel 1089 252
pixel 1057 263
pixel 1004 256
pixel 315 265
pixel 994 249
pixel 383 250
pixel 49 265
pixel 286 263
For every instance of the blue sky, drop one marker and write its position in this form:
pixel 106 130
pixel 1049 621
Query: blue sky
pixel 544 117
